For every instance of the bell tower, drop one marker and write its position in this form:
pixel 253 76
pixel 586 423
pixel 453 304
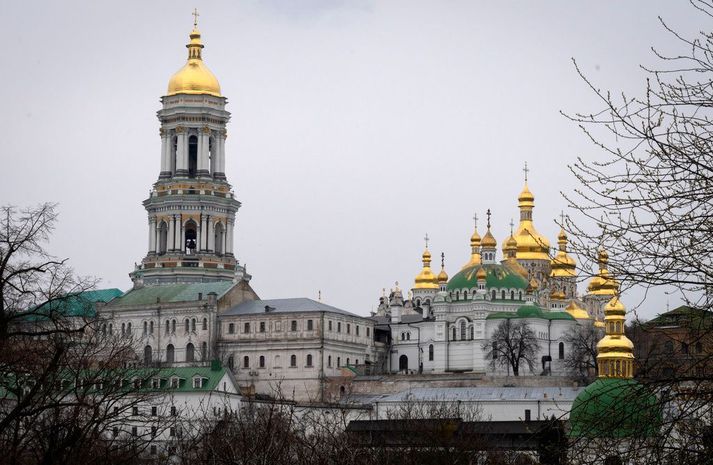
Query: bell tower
pixel 191 208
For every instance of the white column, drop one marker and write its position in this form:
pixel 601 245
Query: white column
pixel 165 155
pixel 204 232
pixel 171 233
pixel 219 156
pixel 182 153
pixel 203 145
pixel 229 237
pixel 183 234
pixel 152 234
pixel 211 235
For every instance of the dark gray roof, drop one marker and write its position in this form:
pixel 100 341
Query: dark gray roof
pixel 293 305
pixel 386 320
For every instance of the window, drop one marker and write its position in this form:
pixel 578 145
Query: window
pixel 172 432
pixel 339 361
pixel 684 348
pixel 246 362
pixel 190 353
pixel 339 327
pixel 368 330
pixel 111 329
pixel 329 361
pixel 472 333
pixel 465 295
pixel 134 431
pixel 167 327
pixel 278 326
pixel 495 350
pixel 154 450
pixel 492 295
pixel 173 326
pixel 135 411
pixel 150 327
pixel 502 294
pixel 293 360
pixel 205 324
pixel 146 328
pixel 349 328
pixel 175 381
pixel 408 336
pixel 561 351
pixel 512 295
pixel 231 362
pixel 310 325
pixel 246 328
pixel 170 353
pixel 293 325
pixel 128 329
pixel 329 324
pixel 347 361
pixel 356 329
pixel 193 325
pixel 231 328
pixel 262 326
pixel 148 355
pixel 309 360
pixel 668 347
pixel 154 411
pixel 204 351
pixel 115 431
pixel 430 353
pixel 197 382
pixel 462 330
pixel 262 361
pixel 186 325
pixel 454 334
pixel 528 414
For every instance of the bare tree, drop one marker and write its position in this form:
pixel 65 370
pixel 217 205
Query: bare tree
pixel 581 361
pixel 512 344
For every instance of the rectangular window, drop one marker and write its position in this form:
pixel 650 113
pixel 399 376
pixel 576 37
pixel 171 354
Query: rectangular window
pixel 153 431
pixel 262 326
pixel 293 325
pixel 367 332
pixel 527 415
pixel 231 328
pixel 309 325
pixel 154 411
pixel 173 411
pixel 154 450
pixel 172 432
pixel 349 328
pixel 278 326
pixel 339 327
pixel 134 431
pixel 135 411
pixel 356 328
pixel 330 325
pixel 246 328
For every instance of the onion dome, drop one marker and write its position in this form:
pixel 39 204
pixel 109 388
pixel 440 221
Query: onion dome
pixel 562 265
pixel 495 275
pixel 474 250
pixel 603 283
pixel 531 245
pixel 557 295
pixel 489 241
pixel 194 77
pixel 615 405
pixel 481 274
pixel 442 276
pixel 577 312
pixel 426 279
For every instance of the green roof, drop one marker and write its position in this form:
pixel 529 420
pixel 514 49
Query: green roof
pixel 614 407
pixel 683 316
pixel 531 311
pixel 497 276
pixel 172 293
pixel 80 304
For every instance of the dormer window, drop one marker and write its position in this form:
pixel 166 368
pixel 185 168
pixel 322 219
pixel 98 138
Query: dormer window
pixel 155 383
pixel 174 382
pixel 197 382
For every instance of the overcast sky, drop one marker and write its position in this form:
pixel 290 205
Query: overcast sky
pixel 357 126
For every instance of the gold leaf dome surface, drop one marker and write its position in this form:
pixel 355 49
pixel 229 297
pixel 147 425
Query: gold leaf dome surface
pixel 194 77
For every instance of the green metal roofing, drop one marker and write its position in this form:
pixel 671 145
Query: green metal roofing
pixel 531 311
pixel 74 305
pixel 497 276
pixel 211 377
pixel 614 407
pixel 172 293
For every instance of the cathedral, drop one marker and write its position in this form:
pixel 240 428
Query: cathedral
pixel 192 303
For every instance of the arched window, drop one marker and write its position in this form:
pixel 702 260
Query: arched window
pixel 190 353
pixel 418 302
pixel 454 334
pixel 462 330
pixel 173 326
pixel 170 356
pixel 174 151
pixel 193 325
pixel 293 360
pixel 561 351
pixel 187 324
pixel 472 333
pixel 339 362
pixel 231 328
pixel 309 360
pixel 111 329
pixel 191 234
pixel 502 294
pixel 430 353
pixel 123 329
pixel 403 363
pixel 162 237
pixel 167 326
pixel 205 324
pixel 493 295
pixel 204 351
pixel 104 329
pixel 348 362
pixel 512 295
pixel 219 238
pixel 329 361
pixel 457 295
pixel 262 361
pixel 148 355
pixel 192 156
pixel 408 336
pixel 128 329
pixel 150 327
pixel 519 295
pixel 146 328
pixel 231 362
pixel 465 295
pixel 246 362
pixel 211 155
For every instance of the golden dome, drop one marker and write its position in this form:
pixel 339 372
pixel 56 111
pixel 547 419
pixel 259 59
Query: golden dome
pixel 426 279
pixel 557 295
pixel 194 77
pixel 577 312
pixel 442 277
pixel 531 245
pixel 488 240
pixel 481 274
pixel 562 265
pixel 603 283
pixel 615 351
pixel 475 239
pixel 474 250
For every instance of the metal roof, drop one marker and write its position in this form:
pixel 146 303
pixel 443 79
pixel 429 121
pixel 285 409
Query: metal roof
pixel 478 394
pixel 291 305
pixel 171 293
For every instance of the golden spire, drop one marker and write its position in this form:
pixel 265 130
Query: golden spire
pixel 615 351
pixel 474 245
pixel 603 283
pixel 562 265
pixel 426 279
pixel 194 77
pixel 443 276
pixel 531 245
pixel 488 241
pixel 510 254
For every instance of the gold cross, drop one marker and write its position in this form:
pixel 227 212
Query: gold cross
pixel 488 213
pixel 426 239
pixel 562 218
pixel 195 17
pixel 525 170
pixel 475 219
pixel 512 223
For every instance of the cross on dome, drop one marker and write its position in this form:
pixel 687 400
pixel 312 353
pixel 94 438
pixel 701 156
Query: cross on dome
pixel 195 17
pixel 488 213
pixel 525 170
pixel 475 219
pixel 426 238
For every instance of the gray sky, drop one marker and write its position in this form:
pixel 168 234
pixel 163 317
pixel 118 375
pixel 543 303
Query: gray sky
pixel 357 126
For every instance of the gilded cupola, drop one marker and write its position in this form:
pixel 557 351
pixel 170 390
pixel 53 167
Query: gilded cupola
pixel 603 283
pixel 615 351
pixel 577 312
pixel 194 77
pixel 426 279
pixel 510 254
pixel 474 246
pixel 563 265
pixel 531 245
pixel 443 276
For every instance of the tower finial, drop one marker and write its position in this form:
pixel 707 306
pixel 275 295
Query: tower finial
pixel 475 219
pixel 443 260
pixel 512 225
pixel 488 213
pixel 426 239
pixel 195 18
pixel 525 170
pixel 562 218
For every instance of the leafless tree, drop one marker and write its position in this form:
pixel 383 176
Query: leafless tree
pixel 512 343
pixel 581 361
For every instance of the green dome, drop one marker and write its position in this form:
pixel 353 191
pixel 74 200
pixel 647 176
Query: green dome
pixel 497 276
pixel 530 311
pixel 614 407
